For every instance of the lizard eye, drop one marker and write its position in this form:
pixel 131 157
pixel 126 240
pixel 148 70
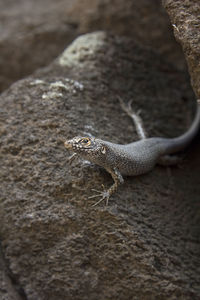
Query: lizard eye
pixel 85 141
pixel 103 150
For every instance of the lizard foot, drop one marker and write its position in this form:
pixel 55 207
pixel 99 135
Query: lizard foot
pixel 104 196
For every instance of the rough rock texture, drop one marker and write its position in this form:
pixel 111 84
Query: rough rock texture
pixel 145 244
pixel 185 15
pixel 8 288
pixel 146 21
pixel 33 32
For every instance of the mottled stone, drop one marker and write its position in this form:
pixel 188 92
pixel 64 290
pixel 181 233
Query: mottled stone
pixel 184 15
pixel 145 244
pixel 33 32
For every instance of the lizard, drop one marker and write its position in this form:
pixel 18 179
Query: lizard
pixel 135 158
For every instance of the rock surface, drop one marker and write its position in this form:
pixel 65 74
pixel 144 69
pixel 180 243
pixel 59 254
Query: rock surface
pixel 8 289
pixel 145 244
pixel 184 14
pixel 33 32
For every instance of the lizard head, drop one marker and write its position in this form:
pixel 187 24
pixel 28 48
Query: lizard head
pixel 88 147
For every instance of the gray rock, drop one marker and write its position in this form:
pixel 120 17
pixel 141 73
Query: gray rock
pixel 33 32
pixel 8 289
pixel 145 244
pixel 184 15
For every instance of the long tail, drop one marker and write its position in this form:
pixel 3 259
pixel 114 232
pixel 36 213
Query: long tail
pixel 181 142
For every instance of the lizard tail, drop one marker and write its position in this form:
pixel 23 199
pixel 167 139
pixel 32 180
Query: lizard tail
pixel 181 142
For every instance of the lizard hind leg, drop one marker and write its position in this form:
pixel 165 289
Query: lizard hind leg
pixel 127 108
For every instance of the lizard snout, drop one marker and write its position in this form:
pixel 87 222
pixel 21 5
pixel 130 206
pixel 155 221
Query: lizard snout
pixel 68 145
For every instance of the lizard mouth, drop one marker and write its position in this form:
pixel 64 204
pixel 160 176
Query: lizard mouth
pixel 82 145
pixel 71 146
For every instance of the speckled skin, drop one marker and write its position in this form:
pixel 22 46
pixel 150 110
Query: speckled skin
pixel 132 159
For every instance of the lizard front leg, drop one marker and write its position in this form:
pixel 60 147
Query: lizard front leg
pixel 105 195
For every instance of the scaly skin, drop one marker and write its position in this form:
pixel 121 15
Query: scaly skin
pixel 132 159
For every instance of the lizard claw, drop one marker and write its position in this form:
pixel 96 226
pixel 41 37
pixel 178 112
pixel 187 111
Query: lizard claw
pixel 104 196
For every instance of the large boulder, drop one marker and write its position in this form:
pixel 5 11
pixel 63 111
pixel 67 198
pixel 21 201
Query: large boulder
pixel 33 32
pixel 184 15
pixel 145 244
